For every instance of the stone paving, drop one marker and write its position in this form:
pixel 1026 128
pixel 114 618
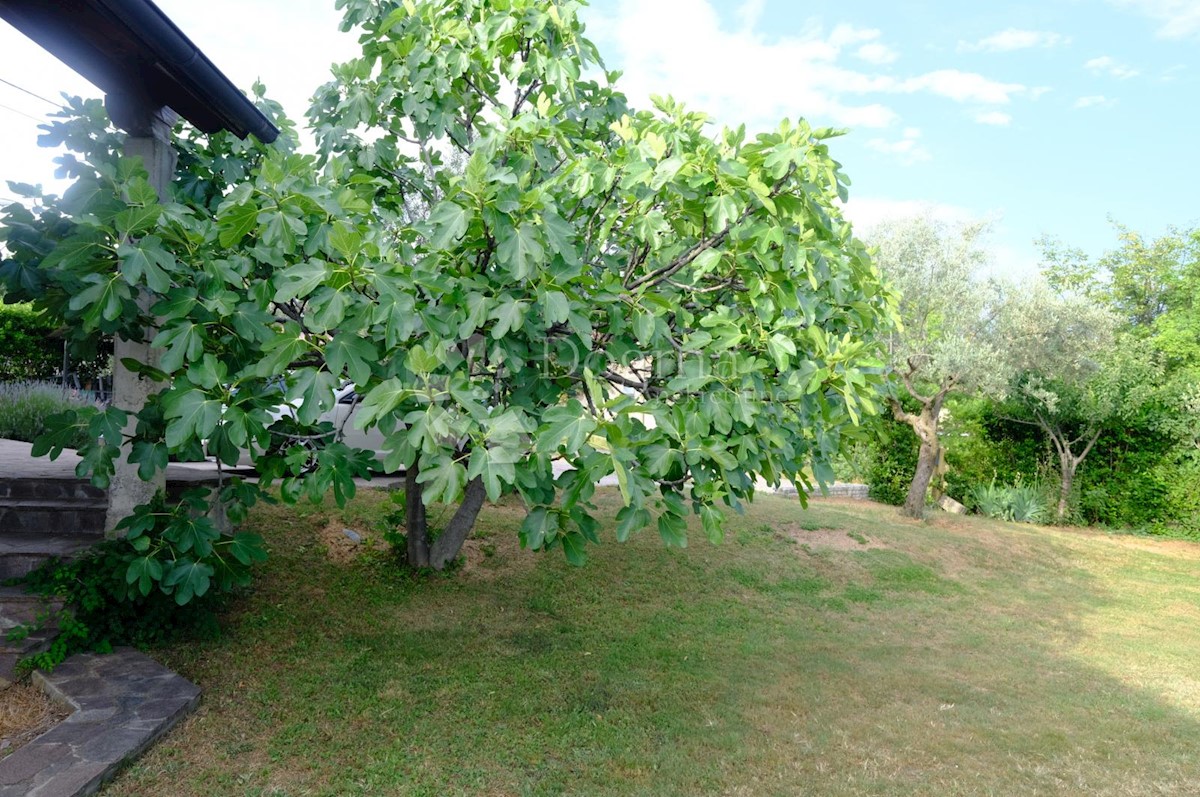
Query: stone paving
pixel 16 462
pixel 122 702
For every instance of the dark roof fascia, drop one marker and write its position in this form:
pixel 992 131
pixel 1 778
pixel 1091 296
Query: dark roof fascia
pixel 132 49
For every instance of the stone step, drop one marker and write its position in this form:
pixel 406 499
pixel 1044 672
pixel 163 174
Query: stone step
pixel 18 608
pixel 31 515
pixel 22 552
pixel 49 489
pixel 11 655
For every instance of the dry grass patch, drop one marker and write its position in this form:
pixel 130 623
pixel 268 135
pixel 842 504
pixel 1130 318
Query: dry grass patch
pixel 25 714
pixel 829 539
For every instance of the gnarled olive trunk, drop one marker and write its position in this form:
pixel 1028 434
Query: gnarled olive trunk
pixel 927 461
pixel 925 425
pixel 424 552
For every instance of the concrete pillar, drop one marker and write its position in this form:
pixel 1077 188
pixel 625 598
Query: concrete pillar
pixel 149 138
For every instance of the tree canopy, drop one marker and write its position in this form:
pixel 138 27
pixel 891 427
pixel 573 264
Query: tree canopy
pixel 511 264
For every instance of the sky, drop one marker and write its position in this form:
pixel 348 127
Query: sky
pixel 1047 118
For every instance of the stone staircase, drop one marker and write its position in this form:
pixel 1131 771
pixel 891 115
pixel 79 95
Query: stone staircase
pixel 40 519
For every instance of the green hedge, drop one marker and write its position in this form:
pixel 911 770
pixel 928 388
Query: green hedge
pixel 894 463
pixel 26 349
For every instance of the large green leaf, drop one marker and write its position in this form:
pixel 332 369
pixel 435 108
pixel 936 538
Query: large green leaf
pixel 188 579
pixel 183 341
pixel 521 251
pixel 567 426
pixel 191 414
pixel 444 480
pixel 236 222
pixel 352 354
pixel 449 222
pixel 495 466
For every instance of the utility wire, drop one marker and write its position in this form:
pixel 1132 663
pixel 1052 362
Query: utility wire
pixel 22 113
pixel 27 91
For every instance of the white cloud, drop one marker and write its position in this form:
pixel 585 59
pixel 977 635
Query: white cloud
pixel 964 87
pixel 1107 65
pixel 866 213
pixel 1014 39
pixel 996 118
pixel 844 35
pixel 737 74
pixel 1179 19
pixel 907 149
pixel 1094 101
pixel 1170 73
pixel 750 13
pixel 876 53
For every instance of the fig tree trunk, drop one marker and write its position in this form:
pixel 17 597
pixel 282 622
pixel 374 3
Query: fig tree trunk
pixel 415 520
pixel 423 549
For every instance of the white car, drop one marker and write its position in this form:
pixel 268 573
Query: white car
pixel 341 417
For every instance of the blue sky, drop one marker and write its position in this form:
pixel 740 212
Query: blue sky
pixel 1046 117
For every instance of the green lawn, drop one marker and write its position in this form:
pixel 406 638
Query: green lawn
pixel 952 657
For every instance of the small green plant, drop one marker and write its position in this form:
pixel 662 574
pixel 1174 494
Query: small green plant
pixel 394 521
pixel 25 408
pixel 1026 504
pixel 164 579
pixel 990 500
pixel 1021 503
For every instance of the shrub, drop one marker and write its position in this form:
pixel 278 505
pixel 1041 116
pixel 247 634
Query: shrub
pixel 982 446
pixel 26 406
pixel 989 500
pixel 165 578
pixel 891 470
pixel 100 613
pixel 26 349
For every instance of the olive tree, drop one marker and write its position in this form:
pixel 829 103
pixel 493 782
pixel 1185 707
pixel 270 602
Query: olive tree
pixel 514 268
pixel 1074 376
pixel 947 340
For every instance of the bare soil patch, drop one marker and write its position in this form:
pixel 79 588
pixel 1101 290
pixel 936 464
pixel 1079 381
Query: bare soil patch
pixel 342 548
pixel 25 714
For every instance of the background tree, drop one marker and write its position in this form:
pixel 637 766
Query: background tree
pixel 624 291
pixel 947 339
pixel 1152 286
pixel 1075 378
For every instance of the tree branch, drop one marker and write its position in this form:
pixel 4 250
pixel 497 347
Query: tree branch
pixel 691 254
